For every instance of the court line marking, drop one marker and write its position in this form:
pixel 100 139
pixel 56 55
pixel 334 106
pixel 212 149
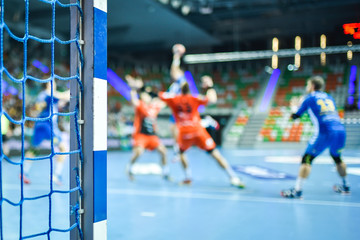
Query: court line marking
pixel 147 214
pixel 229 197
pixel 208 196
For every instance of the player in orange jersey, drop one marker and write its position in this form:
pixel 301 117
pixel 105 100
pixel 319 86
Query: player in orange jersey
pixel 190 131
pixel 144 136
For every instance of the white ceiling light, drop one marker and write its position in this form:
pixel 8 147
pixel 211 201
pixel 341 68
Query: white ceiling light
pixel 175 3
pixel 185 9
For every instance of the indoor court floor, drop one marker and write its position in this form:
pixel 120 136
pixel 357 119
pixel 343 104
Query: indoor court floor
pixel 152 208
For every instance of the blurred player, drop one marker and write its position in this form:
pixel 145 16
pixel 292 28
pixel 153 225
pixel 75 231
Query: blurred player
pixel 178 77
pixel 5 125
pixel 190 132
pixel 43 131
pixel 329 133
pixel 144 136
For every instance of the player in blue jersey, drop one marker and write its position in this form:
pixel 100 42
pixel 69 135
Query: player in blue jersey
pixel 329 133
pixel 44 130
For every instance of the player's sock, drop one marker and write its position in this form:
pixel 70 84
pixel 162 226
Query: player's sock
pixel 58 168
pixel 27 166
pixel 26 169
pixel 176 149
pixel 165 170
pixel 187 173
pixel 230 172
pixel 129 171
pixel 299 183
pixel 344 181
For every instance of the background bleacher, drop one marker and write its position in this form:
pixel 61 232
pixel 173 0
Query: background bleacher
pixel 238 92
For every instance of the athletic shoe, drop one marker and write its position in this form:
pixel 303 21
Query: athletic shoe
pixel 291 193
pixel 25 178
pixel 236 182
pixel 176 151
pixel 342 189
pixel 57 180
pixel 186 182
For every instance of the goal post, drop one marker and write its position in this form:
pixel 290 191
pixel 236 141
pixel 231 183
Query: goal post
pixel 92 119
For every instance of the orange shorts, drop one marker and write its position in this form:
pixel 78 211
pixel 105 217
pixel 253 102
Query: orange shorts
pixel 149 142
pixel 200 138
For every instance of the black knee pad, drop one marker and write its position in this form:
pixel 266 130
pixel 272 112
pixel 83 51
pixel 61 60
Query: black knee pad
pixel 337 160
pixel 210 151
pixel 307 159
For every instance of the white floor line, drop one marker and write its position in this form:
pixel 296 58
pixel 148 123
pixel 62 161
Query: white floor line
pixel 208 196
pixel 229 197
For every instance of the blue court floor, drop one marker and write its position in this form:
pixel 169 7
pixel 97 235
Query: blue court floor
pixel 151 208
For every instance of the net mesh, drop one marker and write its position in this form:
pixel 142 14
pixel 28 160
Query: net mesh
pixel 17 209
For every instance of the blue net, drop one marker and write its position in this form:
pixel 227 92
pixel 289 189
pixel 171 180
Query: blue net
pixel 17 209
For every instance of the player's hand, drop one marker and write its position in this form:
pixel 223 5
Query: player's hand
pixel 178 50
pixel 294 116
pixel 130 80
pixel 134 83
pixel 294 102
pixel 207 82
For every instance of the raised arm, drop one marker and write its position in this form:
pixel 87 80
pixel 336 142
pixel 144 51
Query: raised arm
pixel 135 84
pixel 175 70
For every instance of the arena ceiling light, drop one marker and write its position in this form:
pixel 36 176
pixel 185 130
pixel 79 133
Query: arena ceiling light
pixel 185 9
pixel 175 3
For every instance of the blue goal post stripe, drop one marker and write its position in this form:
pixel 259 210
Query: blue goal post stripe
pixel 100 120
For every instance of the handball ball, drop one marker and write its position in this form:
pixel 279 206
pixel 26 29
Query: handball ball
pixel 179 48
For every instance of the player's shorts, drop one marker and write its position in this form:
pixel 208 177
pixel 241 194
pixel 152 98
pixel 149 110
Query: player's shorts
pixel 42 131
pixel 149 142
pixel 334 140
pixel 200 138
